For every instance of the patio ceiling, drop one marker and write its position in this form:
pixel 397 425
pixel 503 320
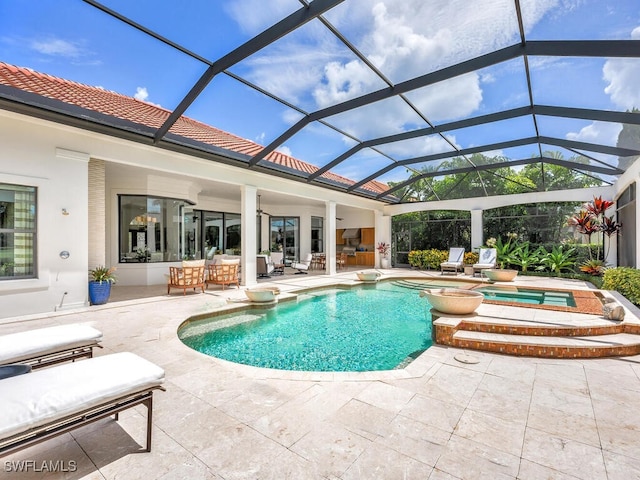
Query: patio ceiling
pixel 372 90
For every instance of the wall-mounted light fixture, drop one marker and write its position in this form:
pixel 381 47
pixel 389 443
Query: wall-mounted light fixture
pixel 65 212
pixel 64 254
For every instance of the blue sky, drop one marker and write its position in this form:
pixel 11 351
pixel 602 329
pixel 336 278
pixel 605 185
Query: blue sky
pixel 311 69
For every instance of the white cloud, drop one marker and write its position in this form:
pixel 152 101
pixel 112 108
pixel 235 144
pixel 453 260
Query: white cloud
pixel 622 76
pixel 253 17
pixel 284 150
pixel 142 94
pixel 57 47
pixel 605 133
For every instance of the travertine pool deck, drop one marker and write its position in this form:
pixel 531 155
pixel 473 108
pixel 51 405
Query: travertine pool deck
pixel 501 418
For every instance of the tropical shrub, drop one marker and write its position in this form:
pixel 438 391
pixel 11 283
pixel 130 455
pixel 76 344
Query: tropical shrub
pixel 471 257
pixel 524 257
pixel 624 280
pixel 427 259
pixel 504 249
pixel 557 260
pixel 592 220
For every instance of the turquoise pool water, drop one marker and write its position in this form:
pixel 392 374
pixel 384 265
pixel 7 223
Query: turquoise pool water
pixel 528 296
pixel 374 327
pixel 500 293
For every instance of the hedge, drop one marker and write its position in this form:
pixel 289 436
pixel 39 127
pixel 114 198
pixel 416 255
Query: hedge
pixel 624 280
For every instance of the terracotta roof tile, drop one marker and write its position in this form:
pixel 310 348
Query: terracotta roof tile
pixel 128 108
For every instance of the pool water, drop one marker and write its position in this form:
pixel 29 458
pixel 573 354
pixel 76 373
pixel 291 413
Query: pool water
pixel 500 293
pixel 375 327
pixel 528 296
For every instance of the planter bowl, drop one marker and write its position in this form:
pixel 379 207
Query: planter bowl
pixel 453 300
pixel 500 275
pixel 368 277
pixel 262 295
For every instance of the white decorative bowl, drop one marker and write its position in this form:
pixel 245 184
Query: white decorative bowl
pixel 369 277
pixel 453 300
pixel 500 275
pixel 262 295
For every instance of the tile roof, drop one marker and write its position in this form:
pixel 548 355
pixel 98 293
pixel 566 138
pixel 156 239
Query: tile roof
pixel 140 112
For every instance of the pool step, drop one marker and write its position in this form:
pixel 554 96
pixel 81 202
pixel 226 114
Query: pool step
pixel 549 328
pixel 617 344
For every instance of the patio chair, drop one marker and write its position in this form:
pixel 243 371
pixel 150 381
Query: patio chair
pixel 488 258
pixel 277 258
pixel 454 262
pixel 223 273
pixel 264 267
pixel 304 265
pixel 52 401
pixel 190 275
pixel 47 346
pixel 341 261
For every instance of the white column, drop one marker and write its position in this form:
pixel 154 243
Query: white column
pixel 476 229
pixel 248 242
pixel 330 225
pixel 383 232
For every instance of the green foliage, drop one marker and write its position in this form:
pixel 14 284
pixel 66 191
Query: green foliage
pixel 103 274
pixel 504 250
pixel 427 259
pixel 471 257
pixel 524 256
pixel 624 280
pixel 431 185
pixel 558 259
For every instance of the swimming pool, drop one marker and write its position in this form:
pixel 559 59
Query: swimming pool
pixel 378 327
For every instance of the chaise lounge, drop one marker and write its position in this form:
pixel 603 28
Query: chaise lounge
pixel 49 402
pixel 48 346
pixel 454 262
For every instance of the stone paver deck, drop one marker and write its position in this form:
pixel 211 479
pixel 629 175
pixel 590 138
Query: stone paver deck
pixel 500 418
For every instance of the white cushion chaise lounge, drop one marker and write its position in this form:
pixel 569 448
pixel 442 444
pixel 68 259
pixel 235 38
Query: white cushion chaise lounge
pixel 46 346
pixel 51 401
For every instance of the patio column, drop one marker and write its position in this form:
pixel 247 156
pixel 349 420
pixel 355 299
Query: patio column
pixel 476 229
pixel 383 232
pixel 330 237
pixel 248 243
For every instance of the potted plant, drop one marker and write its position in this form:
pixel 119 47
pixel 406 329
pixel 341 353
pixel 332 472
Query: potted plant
pixel 100 280
pixel 383 249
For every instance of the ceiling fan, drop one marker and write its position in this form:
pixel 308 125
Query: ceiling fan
pixel 259 211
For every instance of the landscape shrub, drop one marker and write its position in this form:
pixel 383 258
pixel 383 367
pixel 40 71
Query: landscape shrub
pixel 624 280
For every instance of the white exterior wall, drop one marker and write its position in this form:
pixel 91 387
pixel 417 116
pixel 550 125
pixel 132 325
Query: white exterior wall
pixel 60 176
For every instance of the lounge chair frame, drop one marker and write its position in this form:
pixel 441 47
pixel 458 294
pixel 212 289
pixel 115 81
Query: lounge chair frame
pixel 60 426
pixel 71 354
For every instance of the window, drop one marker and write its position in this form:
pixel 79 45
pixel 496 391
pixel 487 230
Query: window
pixel 151 229
pixel 215 233
pixel 17 231
pixel 284 237
pixel 317 235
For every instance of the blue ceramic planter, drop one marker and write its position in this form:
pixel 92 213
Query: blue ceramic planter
pixel 99 292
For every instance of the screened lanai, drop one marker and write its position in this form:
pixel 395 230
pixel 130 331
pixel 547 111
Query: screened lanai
pixel 426 101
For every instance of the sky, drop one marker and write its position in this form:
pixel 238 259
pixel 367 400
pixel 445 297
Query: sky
pixel 311 69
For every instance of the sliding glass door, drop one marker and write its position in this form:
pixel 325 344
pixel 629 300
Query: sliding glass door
pixel 285 235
